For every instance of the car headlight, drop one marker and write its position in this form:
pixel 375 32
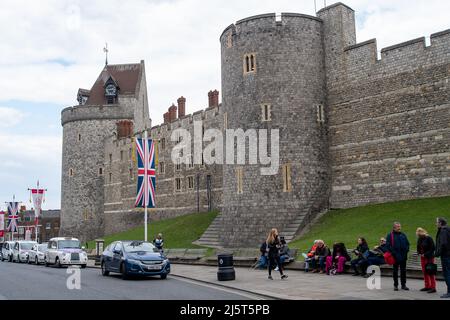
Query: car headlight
pixel 166 261
pixel 136 262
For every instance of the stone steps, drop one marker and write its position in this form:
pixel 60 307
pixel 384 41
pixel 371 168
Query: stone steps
pixel 210 238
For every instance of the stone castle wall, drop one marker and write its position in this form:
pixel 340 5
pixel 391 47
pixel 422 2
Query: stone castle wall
pixel 120 176
pixel 389 121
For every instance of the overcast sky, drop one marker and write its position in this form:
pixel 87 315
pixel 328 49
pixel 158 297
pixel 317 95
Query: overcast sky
pixel 50 48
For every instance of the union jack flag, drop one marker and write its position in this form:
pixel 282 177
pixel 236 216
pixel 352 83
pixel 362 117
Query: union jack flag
pixel 146 188
pixel 13 208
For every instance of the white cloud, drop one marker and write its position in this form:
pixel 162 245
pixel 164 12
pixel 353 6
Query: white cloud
pixel 11 117
pixel 50 48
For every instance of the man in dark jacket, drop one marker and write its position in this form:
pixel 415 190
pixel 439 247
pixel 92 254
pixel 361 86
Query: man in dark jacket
pixel 443 251
pixel 398 245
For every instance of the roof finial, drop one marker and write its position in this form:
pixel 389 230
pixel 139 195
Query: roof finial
pixel 105 50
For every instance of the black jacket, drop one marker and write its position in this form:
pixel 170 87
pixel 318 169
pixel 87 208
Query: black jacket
pixel 379 251
pixel 362 250
pixel 443 242
pixel 400 248
pixel 425 246
pixel 274 248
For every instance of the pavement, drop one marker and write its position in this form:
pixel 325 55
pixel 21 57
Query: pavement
pixel 307 286
pixel 30 282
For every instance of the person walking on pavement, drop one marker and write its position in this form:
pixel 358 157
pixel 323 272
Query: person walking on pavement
pixel 425 248
pixel 443 251
pixel 273 250
pixel 398 246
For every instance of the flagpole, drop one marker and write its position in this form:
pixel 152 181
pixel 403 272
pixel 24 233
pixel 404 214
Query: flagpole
pixel 146 183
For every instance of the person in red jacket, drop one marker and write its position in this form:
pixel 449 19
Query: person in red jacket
pixel 425 248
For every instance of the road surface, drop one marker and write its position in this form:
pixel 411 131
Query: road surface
pixel 30 282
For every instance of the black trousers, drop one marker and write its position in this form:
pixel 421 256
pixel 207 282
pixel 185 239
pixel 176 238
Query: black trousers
pixel 273 262
pixel 402 266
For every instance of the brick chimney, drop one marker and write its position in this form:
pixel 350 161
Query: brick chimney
pixel 166 117
pixel 181 107
pixel 173 113
pixel 213 99
pixel 124 129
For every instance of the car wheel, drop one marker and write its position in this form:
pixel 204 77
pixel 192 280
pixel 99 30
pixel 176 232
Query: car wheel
pixel 28 260
pixel 83 266
pixel 57 263
pixel 10 258
pixel 123 272
pixel 36 261
pixel 46 262
pixel 105 272
pixel 164 276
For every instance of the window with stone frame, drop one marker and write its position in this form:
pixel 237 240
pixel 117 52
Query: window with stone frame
pixel 100 171
pixel 110 158
pixel 131 174
pixel 287 182
pixel 110 177
pixel 320 113
pixel 177 184
pixel 163 144
pixel 190 182
pixel 266 112
pixel 79 137
pixel 121 155
pixel 178 165
pixel 249 63
pixel 190 165
pixel 71 172
pixel 239 180
pixel 162 167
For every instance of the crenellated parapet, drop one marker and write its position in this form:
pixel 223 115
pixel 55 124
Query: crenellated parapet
pixel 84 113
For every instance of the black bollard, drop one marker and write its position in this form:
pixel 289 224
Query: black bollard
pixel 226 269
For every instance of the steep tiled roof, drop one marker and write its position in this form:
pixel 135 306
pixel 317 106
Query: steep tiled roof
pixel 127 77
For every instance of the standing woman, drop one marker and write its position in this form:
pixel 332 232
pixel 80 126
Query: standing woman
pixel 273 249
pixel 425 248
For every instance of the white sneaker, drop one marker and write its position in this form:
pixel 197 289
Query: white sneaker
pixel 277 269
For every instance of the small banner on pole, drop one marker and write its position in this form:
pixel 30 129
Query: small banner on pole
pixel 2 224
pixel 38 196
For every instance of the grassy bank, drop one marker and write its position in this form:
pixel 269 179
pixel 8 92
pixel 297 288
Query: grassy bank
pixel 375 221
pixel 178 232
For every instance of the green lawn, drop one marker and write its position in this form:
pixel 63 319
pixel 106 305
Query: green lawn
pixel 177 232
pixel 375 221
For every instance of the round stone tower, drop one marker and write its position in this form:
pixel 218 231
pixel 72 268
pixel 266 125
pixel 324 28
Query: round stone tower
pixel 273 77
pixel 82 191
pixel 116 104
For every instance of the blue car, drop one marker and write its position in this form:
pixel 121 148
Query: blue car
pixel 134 258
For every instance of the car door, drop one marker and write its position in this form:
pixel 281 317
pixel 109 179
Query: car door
pixel 16 251
pixel 107 255
pixel 52 251
pixel 117 256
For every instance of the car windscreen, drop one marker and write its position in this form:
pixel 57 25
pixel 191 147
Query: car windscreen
pixel 69 244
pixel 43 247
pixel 138 246
pixel 26 246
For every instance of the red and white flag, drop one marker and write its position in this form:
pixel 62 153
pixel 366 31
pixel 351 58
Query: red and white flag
pixel 2 224
pixel 38 197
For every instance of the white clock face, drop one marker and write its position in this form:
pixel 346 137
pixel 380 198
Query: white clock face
pixel 110 90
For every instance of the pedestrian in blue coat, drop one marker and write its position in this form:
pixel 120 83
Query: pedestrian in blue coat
pixel 398 245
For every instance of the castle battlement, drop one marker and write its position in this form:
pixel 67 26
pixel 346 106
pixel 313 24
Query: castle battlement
pixel 362 58
pixel 187 120
pixel 85 113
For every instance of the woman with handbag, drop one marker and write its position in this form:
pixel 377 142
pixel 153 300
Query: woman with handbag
pixel 425 248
